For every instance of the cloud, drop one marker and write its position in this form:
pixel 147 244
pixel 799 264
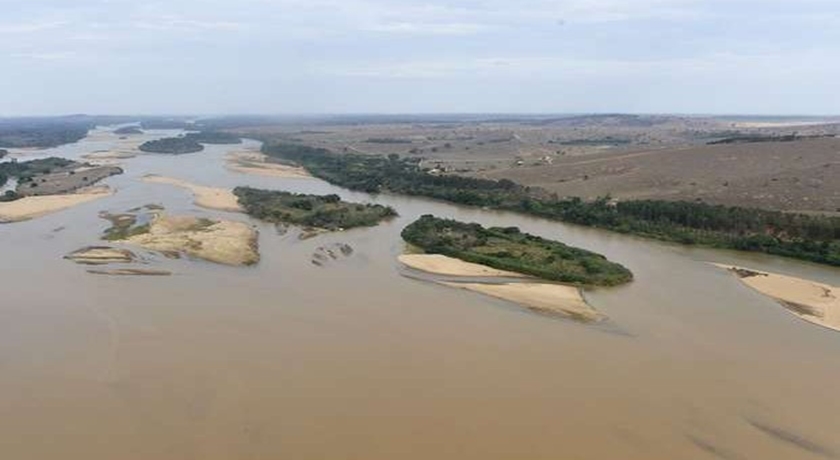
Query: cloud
pixel 29 28
pixel 45 56
pixel 174 23
pixel 410 28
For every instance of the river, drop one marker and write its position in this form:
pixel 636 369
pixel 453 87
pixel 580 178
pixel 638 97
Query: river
pixel 355 361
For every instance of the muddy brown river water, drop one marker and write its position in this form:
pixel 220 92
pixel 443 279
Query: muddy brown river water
pixel 352 360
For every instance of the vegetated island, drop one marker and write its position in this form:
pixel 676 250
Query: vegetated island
pixel 219 241
pixel 460 249
pixel 814 302
pixel 172 146
pixel 815 238
pixel 511 250
pixel 320 212
pixel 3 153
pixel 48 185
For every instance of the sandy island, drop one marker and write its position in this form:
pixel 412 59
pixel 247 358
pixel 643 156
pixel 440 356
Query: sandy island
pixel 206 197
pixel 223 242
pixel 31 207
pixel 814 302
pixel 540 297
pixel 257 163
pixel 442 265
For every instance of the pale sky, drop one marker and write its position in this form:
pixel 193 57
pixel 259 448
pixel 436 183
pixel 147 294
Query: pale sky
pixel 415 56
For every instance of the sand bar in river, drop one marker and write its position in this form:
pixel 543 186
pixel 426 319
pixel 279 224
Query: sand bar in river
pixel 815 302
pixel 206 197
pixel 223 242
pixel 540 297
pixel 31 207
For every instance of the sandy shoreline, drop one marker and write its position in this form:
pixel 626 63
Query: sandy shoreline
pixel 31 207
pixel 206 197
pixel 540 297
pixel 814 302
pixel 256 163
pixel 442 265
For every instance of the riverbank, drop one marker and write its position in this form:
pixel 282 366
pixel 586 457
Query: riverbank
pixel 258 164
pixel 206 197
pixel 32 207
pixel 814 302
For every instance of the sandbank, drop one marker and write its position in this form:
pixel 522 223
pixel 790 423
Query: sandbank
pixel 555 299
pixel 101 255
pixel 223 242
pixel 110 155
pixel 206 197
pixel 442 265
pixel 815 302
pixel 131 272
pixel 257 163
pixel 31 207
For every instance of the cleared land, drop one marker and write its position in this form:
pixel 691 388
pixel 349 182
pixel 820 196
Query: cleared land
pixel 802 175
pixel 628 156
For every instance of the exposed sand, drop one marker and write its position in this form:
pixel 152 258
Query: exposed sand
pixel 206 197
pixel 450 266
pixel 256 163
pixel 540 297
pixel 814 302
pixel 554 299
pixel 131 272
pixel 101 255
pixel 224 242
pixel 31 207
pixel 110 155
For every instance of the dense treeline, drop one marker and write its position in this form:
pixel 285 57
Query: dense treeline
pixel 157 123
pixel 320 211
pixel 214 137
pixel 511 250
pixel 172 145
pixel 128 130
pixel 762 138
pixel 41 133
pixel 807 237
